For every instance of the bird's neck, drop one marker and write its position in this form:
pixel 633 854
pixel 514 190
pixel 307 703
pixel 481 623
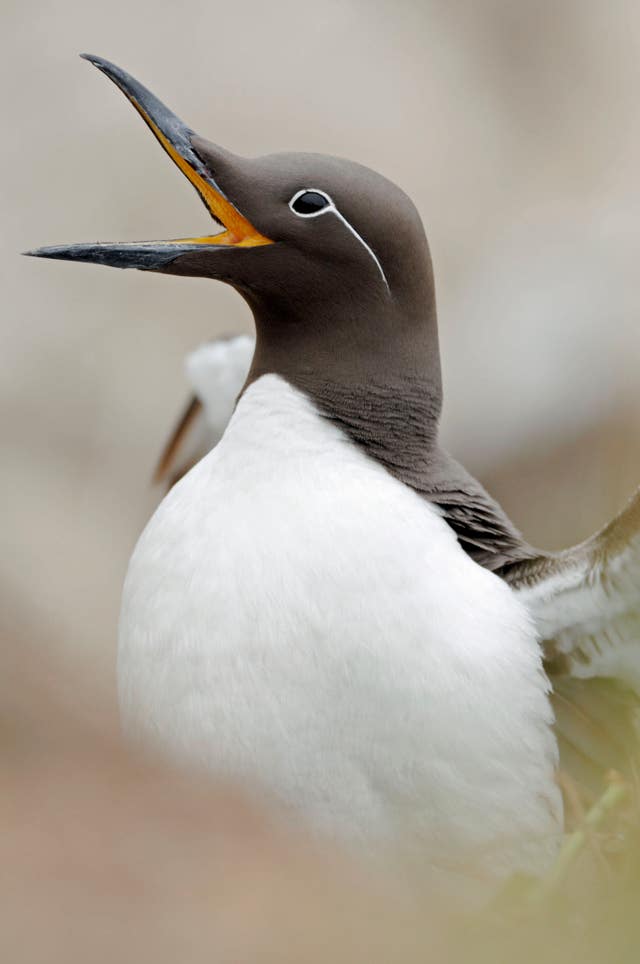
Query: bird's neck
pixel 376 374
pixel 380 383
pixel 397 425
pixel 395 420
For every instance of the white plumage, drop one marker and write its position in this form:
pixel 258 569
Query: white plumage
pixel 294 615
pixel 585 601
pixel 216 371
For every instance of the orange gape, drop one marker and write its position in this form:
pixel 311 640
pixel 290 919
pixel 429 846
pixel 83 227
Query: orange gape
pixel 239 232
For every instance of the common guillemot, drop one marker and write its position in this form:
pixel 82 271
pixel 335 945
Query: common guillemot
pixel 317 605
pixel 216 372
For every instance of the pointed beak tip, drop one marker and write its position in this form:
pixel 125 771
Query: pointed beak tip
pixel 111 70
pixel 93 59
pixel 52 251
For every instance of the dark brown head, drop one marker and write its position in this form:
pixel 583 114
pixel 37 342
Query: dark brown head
pixel 333 261
pixel 331 257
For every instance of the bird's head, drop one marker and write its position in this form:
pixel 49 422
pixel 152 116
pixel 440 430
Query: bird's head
pixel 324 250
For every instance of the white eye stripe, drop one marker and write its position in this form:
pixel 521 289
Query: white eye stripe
pixel 364 245
pixel 331 208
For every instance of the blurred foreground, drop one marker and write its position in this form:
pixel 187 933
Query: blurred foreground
pixel 110 857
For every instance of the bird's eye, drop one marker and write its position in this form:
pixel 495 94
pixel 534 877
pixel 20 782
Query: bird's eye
pixel 307 203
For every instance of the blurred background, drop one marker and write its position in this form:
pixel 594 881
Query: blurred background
pixel 514 126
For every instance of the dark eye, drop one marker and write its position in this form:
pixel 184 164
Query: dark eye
pixel 309 202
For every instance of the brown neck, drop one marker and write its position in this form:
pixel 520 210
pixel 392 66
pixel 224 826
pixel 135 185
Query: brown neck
pixel 354 342
pixel 380 383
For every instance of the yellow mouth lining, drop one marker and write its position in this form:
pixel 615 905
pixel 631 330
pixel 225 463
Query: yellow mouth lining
pixel 239 232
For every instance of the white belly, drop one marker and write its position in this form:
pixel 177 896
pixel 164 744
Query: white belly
pixel 295 616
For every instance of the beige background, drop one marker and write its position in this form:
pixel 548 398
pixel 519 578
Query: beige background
pixel 515 128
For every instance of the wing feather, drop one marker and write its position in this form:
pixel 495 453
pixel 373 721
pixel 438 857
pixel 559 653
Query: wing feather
pixel 185 446
pixel 586 604
pixel 586 601
pixel 216 371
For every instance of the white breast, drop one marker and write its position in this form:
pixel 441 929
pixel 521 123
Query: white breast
pixel 295 616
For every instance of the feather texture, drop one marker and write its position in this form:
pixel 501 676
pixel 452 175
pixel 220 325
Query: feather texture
pixel 216 372
pixel 586 605
pixel 295 615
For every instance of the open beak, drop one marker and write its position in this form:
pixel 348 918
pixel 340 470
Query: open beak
pixel 175 138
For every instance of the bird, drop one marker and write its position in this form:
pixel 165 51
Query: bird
pixel 327 605
pixel 596 715
pixel 216 372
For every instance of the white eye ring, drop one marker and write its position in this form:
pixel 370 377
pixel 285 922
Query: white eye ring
pixel 329 206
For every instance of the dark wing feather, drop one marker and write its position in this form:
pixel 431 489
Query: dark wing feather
pixel 182 449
